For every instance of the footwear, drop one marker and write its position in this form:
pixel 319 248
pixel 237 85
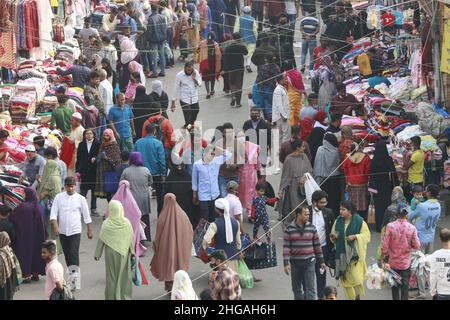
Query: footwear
pixel 238 105
pixel 256 279
pixel 233 102
pixel 153 76
pixel 35 278
pixel 212 92
pixel 420 297
pixel 94 213
pixel 161 74
pixel 277 171
pixel 148 74
pixel 302 70
pixel 249 70
pixel 208 96
pixel 250 220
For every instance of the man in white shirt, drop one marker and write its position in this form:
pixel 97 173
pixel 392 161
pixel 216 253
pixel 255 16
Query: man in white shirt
pixel 110 21
pixel 323 219
pixel 281 110
pixel 234 202
pixel 440 268
pixel 65 217
pixel 186 87
pixel 106 91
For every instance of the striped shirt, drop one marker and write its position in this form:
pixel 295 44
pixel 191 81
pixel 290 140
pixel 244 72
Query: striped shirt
pixel 301 243
pixel 309 25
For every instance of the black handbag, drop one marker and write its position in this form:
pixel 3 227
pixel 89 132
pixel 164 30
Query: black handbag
pixel 261 256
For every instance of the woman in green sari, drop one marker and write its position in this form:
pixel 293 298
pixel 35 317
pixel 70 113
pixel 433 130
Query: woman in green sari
pixel 116 238
pixel 350 235
pixel 48 188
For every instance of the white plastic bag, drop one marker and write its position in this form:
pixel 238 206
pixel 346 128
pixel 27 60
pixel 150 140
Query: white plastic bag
pixel 310 186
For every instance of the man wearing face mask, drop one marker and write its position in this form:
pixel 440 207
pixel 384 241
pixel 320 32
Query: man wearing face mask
pixel 185 88
pixel 62 114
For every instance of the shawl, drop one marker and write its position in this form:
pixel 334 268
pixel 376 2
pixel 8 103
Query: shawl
pixel 307 126
pixel 116 231
pixel 8 263
pixel 157 86
pixel 51 179
pixel 327 160
pixel 173 241
pixel 294 167
pixel 267 75
pixel 295 78
pixel 134 66
pixel 132 213
pixel 182 285
pixel 343 258
pixel 224 205
pixel 203 56
pixel 315 140
pixel 128 51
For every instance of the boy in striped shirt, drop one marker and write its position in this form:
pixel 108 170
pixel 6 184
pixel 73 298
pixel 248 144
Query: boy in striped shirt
pixel 301 249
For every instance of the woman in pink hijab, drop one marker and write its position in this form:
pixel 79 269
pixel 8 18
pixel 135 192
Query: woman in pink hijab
pixel 132 213
pixel 134 66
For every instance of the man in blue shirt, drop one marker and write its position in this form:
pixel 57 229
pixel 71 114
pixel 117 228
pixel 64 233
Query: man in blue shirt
pixel 427 215
pixel 205 180
pixel 121 120
pixel 152 151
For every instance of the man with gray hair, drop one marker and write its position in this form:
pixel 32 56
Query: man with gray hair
pixel 106 91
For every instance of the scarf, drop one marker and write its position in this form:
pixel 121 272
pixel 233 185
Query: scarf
pixel 51 179
pixel 182 285
pixel 295 78
pixel 128 51
pixel 110 133
pixel 327 160
pixel 343 258
pixel 222 204
pixel 137 67
pixel 116 231
pixel 8 263
pixel 157 86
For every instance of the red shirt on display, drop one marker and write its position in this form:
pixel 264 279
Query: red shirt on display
pixel 388 19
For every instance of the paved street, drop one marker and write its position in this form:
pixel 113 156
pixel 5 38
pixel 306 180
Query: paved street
pixel 275 284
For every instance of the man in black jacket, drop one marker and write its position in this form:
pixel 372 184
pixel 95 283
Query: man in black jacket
pixel 323 219
pixel 156 36
pixel 252 127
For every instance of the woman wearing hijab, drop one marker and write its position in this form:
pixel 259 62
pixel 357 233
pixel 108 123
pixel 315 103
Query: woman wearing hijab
pixel 139 179
pixel 115 238
pixel 383 179
pixel 307 126
pixel 350 235
pixel 315 140
pixel 292 180
pixel 173 242
pixel 182 286
pixel 130 93
pixel 47 190
pixel 8 274
pixel 357 170
pixel 226 233
pixel 128 53
pixel 134 66
pixel 397 198
pixel 178 182
pixel 109 158
pixel 29 222
pixel 326 170
pixel 144 106
pixel 86 166
pixel 159 95
pixel 296 89
pixel 205 18
pixel 179 39
pixel 210 58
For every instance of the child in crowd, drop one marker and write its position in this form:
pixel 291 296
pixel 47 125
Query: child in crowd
pixel 418 197
pixel 330 293
pixel 54 270
pixel 311 109
pixel 5 224
pixel 259 211
pixel 121 167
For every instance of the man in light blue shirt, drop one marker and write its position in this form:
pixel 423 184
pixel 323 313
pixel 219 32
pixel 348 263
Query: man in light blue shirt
pixel 427 215
pixel 152 151
pixel 205 180
pixel 121 121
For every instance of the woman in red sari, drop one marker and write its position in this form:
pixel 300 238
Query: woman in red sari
pixel 295 90
pixel 210 58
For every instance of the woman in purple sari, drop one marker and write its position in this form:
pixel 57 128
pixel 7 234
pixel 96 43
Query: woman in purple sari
pixel 29 222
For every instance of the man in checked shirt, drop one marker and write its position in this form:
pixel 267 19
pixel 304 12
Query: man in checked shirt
pixel 223 282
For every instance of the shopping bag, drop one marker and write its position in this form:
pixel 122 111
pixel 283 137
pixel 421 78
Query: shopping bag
pixel 261 256
pixel 143 275
pixel 199 234
pixel 371 212
pixel 111 179
pixel 245 275
pixel 245 240
pixel 136 272
pixel 310 186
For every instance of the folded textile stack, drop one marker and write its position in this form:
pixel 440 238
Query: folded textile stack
pixel 430 120
pixel 30 69
pixel 22 106
pixel 5 118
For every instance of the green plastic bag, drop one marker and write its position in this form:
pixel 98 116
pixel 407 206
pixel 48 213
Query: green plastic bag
pixel 245 275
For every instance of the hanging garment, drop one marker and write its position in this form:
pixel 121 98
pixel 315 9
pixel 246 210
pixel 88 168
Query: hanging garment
pixel 7 50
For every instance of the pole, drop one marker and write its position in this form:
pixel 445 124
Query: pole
pixel 437 52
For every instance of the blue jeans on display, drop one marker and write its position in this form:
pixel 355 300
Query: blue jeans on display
pixel 308 45
pixel 292 20
pixel 223 184
pixel 303 278
pixel 157 49
pixel 146 60
pixel 321 278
